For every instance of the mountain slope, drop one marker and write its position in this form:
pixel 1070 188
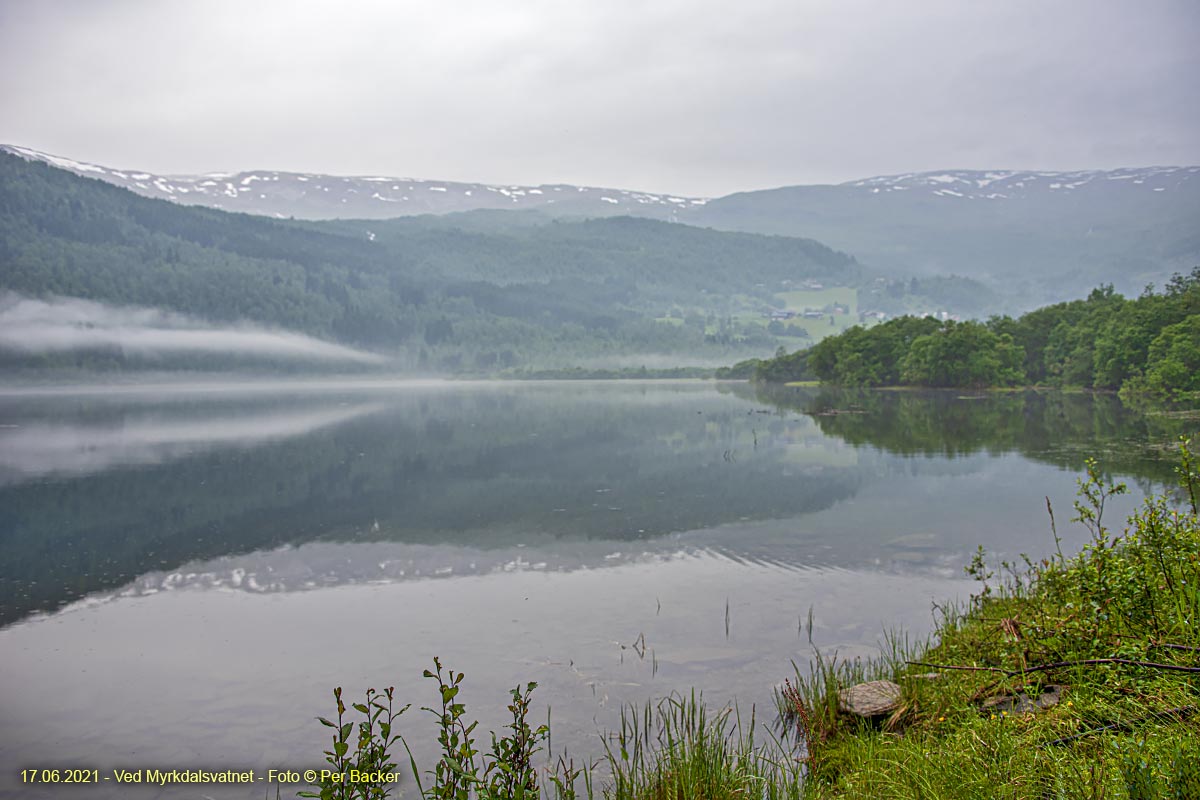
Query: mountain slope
pixel 316 196
pixel 1042 235
pixel 447 293
pixel 1037 236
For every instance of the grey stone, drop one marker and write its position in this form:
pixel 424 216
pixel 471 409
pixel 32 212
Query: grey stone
pixel 870 699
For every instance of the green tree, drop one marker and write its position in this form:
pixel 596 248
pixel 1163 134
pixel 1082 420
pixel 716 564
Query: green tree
pixel 1173 364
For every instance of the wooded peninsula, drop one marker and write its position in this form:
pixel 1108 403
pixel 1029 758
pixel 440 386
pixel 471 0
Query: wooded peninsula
pixel 1147 345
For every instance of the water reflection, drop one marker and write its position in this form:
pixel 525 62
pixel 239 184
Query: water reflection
pixel 447 480
pixel 1054 427
pixel 39 449
pixel 235 556
pixel 483 469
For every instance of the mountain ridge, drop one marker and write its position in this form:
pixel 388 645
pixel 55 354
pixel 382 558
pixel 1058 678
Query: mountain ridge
pixel 240 187
pixel 1034 236
pixel 435 294
pixel 272 192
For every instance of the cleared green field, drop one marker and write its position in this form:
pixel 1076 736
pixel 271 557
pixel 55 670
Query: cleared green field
pixel 748 310
pixel 801 299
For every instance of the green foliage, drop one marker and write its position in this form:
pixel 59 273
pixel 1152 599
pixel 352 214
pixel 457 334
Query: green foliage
pixel 962 354
pixel 1173 362
pixel 506 772
pixel 513 774
pixel 674 750
pixel 868 356
pixel 371 756
pixel 456 773
pixel 669 750
pixel 1104 342
pixel 781 369
pixel 743 370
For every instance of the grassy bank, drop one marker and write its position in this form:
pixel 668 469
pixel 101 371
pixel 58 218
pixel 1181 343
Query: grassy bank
pixel 1069 677
pixel 1062 678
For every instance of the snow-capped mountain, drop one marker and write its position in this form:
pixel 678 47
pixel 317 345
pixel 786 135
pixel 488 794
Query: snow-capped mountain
pixel 1008 184
pixel 315 196
pixel 1038 234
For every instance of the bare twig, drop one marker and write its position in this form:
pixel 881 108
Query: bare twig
pixel 1054 530
pixel 1170 646
pixel 956 666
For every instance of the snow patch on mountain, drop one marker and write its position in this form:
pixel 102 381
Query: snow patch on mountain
pixel 1008 184
pixel 309 195
pixel 315 196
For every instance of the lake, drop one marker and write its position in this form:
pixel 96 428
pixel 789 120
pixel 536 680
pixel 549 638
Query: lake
pixel 188 570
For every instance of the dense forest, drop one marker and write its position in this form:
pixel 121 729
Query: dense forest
pixel 1151 343
pixel 482 291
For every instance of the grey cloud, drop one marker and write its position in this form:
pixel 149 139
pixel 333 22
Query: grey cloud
pixel 697 97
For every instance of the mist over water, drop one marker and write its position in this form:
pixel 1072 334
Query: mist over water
pixel 61 324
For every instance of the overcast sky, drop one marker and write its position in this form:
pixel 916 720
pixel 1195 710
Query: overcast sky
pixel 683 96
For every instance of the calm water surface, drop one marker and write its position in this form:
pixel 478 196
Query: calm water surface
pixel 187 573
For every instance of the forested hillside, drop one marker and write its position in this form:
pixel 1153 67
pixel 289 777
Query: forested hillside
pixel 1036 237
pixel 1023 238
pixel 1151 343
pixel 471 293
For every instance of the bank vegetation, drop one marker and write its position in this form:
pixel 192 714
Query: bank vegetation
pixel 1150 344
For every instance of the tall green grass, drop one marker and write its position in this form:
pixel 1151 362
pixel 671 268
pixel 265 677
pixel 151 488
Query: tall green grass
pixel 677 749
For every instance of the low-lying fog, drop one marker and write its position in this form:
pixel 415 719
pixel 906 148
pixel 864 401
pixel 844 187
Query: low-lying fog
pixel 59 324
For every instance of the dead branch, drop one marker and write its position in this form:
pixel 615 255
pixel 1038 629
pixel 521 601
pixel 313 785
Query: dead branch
pixel 1170 646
